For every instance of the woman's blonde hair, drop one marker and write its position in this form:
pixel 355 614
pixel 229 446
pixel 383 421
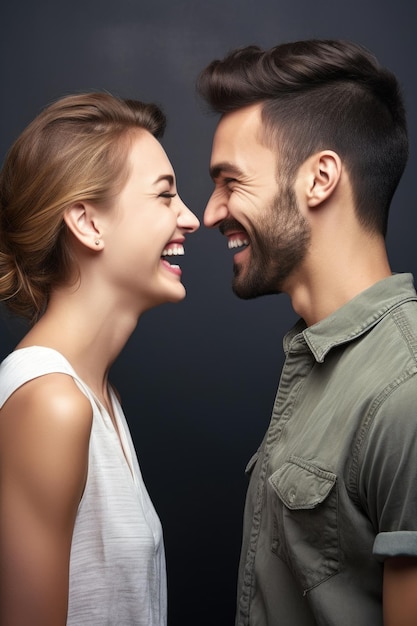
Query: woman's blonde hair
pixel 75 150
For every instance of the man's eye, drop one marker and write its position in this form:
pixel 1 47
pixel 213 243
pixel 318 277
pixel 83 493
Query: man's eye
pixel 230 184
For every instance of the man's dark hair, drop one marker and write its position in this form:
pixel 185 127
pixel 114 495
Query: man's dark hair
pixel 316 95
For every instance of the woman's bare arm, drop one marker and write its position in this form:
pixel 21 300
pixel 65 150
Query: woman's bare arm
pixel 44 437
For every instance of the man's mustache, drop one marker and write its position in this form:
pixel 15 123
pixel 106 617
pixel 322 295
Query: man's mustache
pixel 230 224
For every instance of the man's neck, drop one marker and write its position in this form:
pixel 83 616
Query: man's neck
pixel 328 281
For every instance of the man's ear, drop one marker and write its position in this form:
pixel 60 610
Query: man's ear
pixel 81 219
pixel 325 169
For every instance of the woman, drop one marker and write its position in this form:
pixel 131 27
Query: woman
pixel 89 213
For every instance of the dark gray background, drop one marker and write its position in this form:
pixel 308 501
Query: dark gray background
pixel 197 379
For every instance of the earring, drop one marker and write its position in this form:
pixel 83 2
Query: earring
pixel 97 242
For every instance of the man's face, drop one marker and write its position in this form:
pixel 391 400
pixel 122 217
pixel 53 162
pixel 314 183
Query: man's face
pixel 259 216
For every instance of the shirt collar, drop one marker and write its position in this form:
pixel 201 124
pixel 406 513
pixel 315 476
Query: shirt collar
pixel 354 318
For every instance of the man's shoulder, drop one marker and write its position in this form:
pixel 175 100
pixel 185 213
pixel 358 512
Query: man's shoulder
pixel 402 322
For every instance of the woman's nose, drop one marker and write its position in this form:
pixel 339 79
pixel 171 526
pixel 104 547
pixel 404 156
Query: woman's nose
pixel 187 219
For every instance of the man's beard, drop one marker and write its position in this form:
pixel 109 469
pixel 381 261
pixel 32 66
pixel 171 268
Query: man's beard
pixel 277 247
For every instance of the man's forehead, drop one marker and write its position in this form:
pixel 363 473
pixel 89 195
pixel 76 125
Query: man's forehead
pixel 240 122
pixel 238 143
pixel 235 132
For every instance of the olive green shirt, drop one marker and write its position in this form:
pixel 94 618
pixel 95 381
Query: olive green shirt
pixel 333 487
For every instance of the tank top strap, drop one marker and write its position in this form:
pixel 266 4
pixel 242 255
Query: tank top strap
pixel 26 364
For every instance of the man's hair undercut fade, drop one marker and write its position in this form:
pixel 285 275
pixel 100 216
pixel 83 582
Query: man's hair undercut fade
pixel 317 95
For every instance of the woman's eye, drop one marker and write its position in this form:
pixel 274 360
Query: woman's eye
pixel 167 194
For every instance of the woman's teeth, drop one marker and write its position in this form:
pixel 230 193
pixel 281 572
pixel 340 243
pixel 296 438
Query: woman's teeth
pixel 175 250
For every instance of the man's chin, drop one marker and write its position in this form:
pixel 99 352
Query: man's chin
pixel 243 287
pixel 249 291
pixel 243 294
pixel 249 287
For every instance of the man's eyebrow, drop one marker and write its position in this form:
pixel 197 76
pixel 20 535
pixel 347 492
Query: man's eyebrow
pixel 225 166
pixel 167 177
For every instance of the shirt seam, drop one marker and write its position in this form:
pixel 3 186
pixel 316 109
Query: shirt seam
pixel 366 425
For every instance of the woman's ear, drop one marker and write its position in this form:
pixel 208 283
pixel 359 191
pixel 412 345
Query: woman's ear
pixel 81 219
pixel 325 170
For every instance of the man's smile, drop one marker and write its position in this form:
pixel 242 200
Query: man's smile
pixel 237 241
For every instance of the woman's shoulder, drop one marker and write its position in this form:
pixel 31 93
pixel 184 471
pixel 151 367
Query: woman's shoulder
pixel 47 399
pixel 33 357
pixel 30 363
pixel 37 384
pixel 45 428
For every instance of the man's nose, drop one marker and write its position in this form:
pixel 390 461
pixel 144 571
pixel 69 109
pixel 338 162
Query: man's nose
pixel 215 212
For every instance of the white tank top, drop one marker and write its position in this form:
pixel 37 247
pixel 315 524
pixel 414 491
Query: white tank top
pixel 117 564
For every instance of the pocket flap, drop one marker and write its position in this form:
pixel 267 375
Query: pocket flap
pixel 301 485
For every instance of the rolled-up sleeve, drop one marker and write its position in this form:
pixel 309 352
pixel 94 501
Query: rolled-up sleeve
pixel 395 544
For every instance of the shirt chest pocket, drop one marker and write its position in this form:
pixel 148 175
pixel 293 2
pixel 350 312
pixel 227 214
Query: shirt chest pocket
pixel 305 525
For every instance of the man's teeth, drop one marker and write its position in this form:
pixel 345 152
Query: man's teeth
pixel 237 243
pixel 176 250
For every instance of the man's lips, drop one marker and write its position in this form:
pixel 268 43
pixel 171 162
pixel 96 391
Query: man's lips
pixel 236 235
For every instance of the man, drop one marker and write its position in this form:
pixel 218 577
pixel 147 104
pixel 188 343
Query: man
pixel 308 152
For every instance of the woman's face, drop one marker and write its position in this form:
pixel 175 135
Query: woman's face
pixel 145 231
